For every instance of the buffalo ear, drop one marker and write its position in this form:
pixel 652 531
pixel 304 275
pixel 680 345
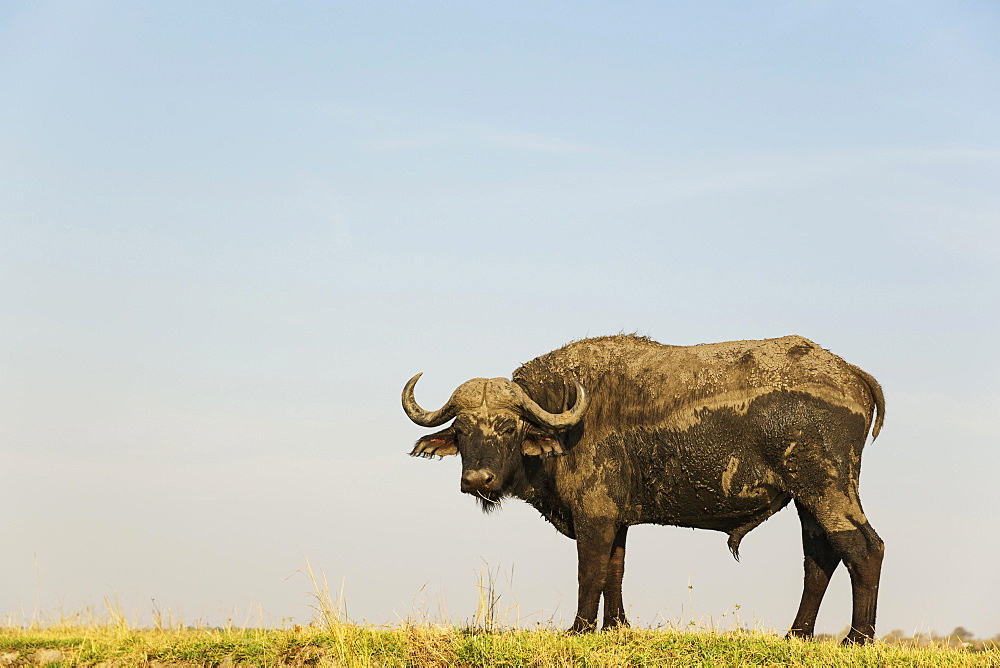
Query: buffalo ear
pixel 537 444
pixel 438 444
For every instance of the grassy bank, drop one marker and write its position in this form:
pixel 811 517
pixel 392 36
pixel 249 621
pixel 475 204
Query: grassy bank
pixel 356 645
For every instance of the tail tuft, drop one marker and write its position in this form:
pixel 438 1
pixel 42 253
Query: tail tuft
pixel 876 391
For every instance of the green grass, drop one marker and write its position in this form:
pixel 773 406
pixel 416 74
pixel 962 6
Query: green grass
pixel 345 644
pixel 492 639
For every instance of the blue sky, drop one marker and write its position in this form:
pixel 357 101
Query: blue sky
pixel 230 233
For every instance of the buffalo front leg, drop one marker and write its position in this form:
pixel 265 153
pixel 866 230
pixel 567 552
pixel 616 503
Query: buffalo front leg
pixel 594 541
pixel 821 560
pixel 614 607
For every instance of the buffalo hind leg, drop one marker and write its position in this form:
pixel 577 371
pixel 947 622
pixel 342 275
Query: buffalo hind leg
pixel 860 548
pixel 614 607
pixel 595 539
pixel 865 566
pixel 820 560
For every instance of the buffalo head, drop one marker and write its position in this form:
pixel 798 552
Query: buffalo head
pixel 496 423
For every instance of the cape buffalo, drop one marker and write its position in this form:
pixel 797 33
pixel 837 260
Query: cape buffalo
pixel 608 432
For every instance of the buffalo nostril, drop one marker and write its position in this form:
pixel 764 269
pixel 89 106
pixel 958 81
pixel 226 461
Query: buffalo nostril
pixel 477 480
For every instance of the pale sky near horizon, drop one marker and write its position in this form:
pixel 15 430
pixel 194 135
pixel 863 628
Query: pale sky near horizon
pixel 230 232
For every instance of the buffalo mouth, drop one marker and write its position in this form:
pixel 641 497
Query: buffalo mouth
pixel 488 501
pixel 485 485
pixel 484 494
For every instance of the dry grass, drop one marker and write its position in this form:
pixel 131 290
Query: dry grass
pixel 491 639
pixel 355 645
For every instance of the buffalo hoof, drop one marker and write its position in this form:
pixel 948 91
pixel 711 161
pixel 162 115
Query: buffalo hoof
pixel 582 626
pixel 617 623
pixel 856 638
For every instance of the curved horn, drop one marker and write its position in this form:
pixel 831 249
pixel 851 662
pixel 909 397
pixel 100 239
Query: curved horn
pixel 557 421
pixel 418 414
